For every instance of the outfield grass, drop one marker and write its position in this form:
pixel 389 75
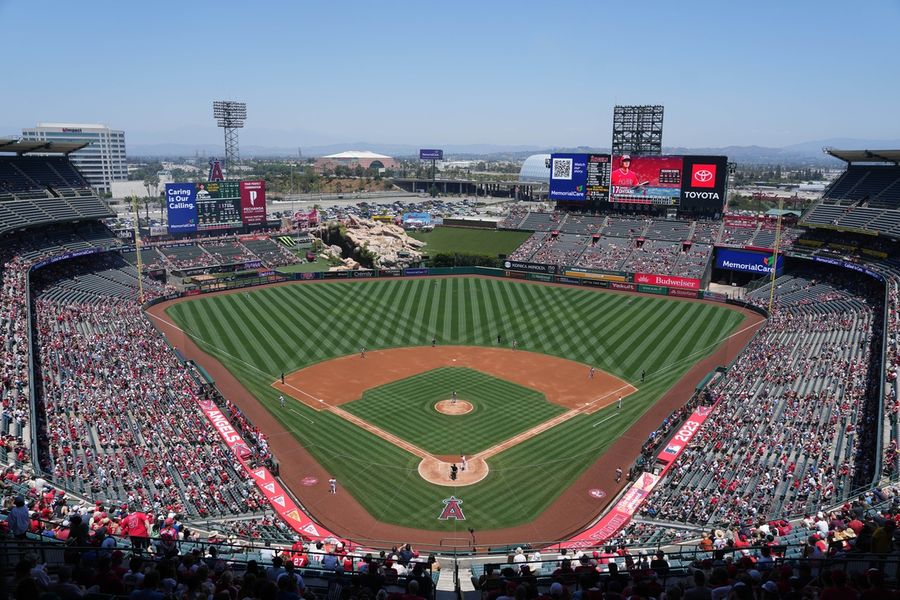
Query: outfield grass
pixel 501 410
pixel 320 264
pixel 470 241
pixel 258 334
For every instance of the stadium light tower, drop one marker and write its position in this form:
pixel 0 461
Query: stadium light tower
pixel 230 116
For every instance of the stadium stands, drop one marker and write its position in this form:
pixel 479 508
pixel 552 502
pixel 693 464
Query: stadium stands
pixel 44 189
pixel 562 249
pixel 187 256
pixel 269 252
pixel 653 256
pixel 583 224
pixel 536 221
pixel 229 252
pixel 789 431
pixel 607 253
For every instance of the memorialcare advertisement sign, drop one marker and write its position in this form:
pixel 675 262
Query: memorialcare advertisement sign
pixel 568 176
pixel 748 262
pixel 268 485
pixel 181 207
pixel 253 202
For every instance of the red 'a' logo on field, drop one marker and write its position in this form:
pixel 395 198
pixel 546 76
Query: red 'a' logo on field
pixel 452 509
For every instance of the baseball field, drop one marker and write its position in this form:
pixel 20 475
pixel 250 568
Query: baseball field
pixel 526 409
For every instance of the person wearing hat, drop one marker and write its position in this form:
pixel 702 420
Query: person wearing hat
pixel 19 520
pixel 624 176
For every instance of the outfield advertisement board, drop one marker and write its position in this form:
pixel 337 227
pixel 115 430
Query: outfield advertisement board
pixel 583 273
pixel 684 283
pixel 653 289
pixel 529 267
pixel 748 262
pixel 625 287
pixel 684 293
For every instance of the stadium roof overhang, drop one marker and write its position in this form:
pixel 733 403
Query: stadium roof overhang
pixel 22 147
pixel 852 156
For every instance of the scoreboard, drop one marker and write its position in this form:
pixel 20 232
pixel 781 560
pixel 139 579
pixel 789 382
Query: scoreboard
pixel 598 170
pixel 218 205
pixel 215 205
pixel 694 183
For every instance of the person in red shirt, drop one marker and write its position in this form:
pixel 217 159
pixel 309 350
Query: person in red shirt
pixel 137 526
pixel 624 176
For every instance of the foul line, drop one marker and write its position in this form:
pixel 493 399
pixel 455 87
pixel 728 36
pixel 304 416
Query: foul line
pixel 612 416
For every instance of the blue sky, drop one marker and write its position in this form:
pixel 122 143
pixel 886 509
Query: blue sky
pixel 431 73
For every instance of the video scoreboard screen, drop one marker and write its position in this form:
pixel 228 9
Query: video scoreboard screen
pixel 598 171
pixel 215 205
pixel 218 205
pixel 646 180
pixel 691 182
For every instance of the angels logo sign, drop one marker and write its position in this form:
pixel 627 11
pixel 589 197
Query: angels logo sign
pixel 452 509
pixel 215 171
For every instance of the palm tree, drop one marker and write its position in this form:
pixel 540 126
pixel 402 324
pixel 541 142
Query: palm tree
pixel 151 183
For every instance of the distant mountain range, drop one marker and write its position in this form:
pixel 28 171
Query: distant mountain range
pixel 806 153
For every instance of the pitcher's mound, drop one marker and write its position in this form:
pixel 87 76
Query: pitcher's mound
pixel 448 407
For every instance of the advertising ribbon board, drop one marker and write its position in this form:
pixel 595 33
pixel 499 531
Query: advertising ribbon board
pixel 684 435
pixel 684 283
pixel 279 499
pixel 618 516
pixel 528 267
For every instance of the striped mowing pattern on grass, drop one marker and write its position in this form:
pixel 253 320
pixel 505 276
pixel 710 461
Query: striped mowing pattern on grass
pixel 260 333
pixel 501 410
pixel 462 240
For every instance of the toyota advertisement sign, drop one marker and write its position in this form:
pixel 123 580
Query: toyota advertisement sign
pixel 703 184
pixel 181 207
pixel 568 177
pixel 748 262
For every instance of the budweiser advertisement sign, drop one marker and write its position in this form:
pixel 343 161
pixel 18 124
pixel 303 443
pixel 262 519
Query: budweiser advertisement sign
pixel 682 283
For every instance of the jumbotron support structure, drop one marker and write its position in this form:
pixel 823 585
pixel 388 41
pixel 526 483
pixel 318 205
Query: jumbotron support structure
pixel 230 116
pixel 637 130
